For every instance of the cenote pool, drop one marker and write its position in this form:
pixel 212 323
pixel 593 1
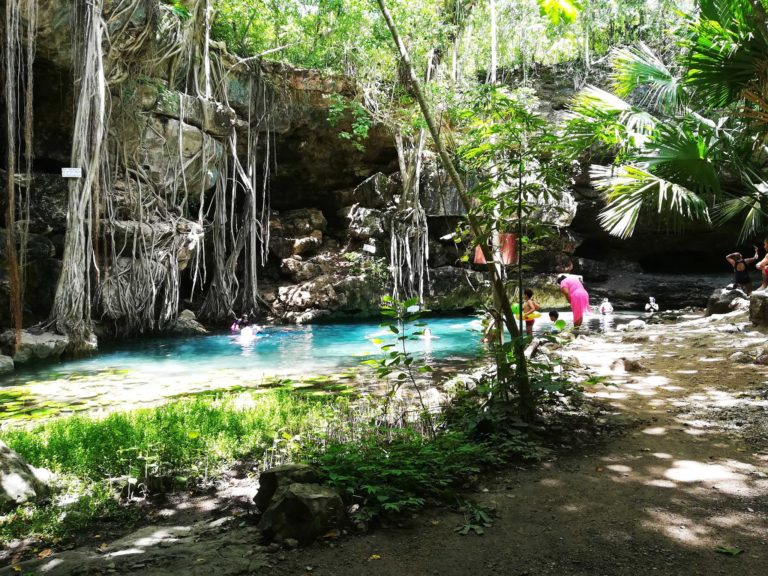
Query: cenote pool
pixel 147 371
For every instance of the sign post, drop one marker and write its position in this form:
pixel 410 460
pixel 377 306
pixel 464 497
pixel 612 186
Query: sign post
pixel 71 172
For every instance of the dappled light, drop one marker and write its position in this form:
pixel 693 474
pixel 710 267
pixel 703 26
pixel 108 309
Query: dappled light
pixel 389 287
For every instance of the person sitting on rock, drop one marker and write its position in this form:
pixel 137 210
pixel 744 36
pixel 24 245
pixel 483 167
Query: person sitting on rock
pixel 741 279
pixel 606 307
pixel 763 267
pixel 652 307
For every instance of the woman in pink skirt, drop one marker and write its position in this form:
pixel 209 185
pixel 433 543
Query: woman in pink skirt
pixel 578 298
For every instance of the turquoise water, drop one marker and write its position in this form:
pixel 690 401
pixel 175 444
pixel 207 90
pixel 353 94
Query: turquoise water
pixel 274 351
pixel 149 371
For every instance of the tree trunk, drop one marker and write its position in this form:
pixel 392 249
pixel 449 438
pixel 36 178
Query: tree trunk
pixel 527 406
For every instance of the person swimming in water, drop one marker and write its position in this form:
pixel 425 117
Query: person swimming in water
pixel 741 277
pixel 240 323
pixel 606 307
pixel 652 306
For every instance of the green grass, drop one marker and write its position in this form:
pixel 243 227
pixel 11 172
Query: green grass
pixel 179 438
pixel 187 439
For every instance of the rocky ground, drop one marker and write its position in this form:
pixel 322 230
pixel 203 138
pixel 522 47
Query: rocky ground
pixel 682 492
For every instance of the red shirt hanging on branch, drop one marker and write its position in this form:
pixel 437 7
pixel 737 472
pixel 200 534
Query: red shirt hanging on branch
pixel 508 250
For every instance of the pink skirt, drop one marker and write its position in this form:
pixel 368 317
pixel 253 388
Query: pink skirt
pixel 579 303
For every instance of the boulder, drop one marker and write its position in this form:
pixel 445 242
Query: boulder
pixel 300 270
pixel 280 477
pixel 19 482
pixel 758 308
pixel 636 325
pixel 302 512
pixel 35 346
pixel 188 325
pixel 724 300
pixel 452 288
pixel 365 223
pixel 6 364
pixel 762 357
pixel 298 223
pixel 373 192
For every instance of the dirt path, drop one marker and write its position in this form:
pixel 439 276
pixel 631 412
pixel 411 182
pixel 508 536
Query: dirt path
pixel 659 500
pixel 691 475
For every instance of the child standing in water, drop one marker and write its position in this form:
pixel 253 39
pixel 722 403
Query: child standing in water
pixel 530 307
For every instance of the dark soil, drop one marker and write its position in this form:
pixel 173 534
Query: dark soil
pixel 662 499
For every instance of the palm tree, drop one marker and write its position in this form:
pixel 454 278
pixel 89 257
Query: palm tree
pixel 688 138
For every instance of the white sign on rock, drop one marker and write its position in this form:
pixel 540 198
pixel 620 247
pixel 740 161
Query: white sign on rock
pixel 72 172
pixel 369 248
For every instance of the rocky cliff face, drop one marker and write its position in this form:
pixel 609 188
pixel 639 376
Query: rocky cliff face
pixel 228 189
pixel 192 168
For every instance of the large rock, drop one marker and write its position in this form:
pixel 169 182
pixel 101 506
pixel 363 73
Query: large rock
pixel 373 192
pixel 35 346
pixel 187 325
pixel 298 223
pixel 6 364
pixel 758 308
pixel 452 288
pixel 280 477
pixel 179 156
pixel 724 300
pixel 301 270
pixel 302 512
pixel 19 482
pixel 365 223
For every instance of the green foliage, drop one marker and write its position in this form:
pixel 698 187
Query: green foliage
pixel 384 475
pixel 398 364
pixel 375 269
pixel 688 136
pixel 476 519
pixel 178 9
pixel 341 108
pixel 181 442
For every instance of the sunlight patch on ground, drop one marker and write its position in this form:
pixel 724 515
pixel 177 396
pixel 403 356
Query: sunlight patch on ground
pixel 619 468
pixel 716 359
pixel 690 471
pixel 551 482
pixel 686 371
pixel 678 528
pixel 655 431
pixel 658 483
pixel 663 455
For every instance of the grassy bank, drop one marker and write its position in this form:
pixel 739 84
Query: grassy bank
pixel 172 446
pixel 381 468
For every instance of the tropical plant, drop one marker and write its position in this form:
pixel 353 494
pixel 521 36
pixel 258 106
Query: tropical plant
pixel 687 135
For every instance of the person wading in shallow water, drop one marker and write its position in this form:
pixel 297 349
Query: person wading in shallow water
pixel 740 265
pixel 576 295
pixel 530 311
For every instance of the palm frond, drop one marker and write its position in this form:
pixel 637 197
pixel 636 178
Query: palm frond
pixel 727 45
pixel 630 190
pixel 749 208
pixel 684 154
pixel 640 72
pixel 600 119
